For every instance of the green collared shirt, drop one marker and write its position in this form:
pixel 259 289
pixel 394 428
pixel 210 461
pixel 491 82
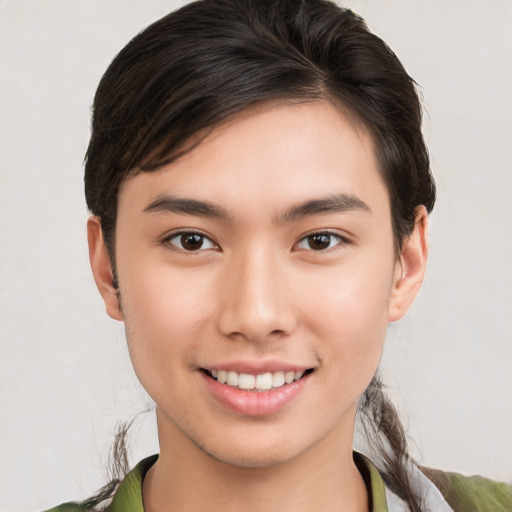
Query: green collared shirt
pixel 129 495
pixel 463 494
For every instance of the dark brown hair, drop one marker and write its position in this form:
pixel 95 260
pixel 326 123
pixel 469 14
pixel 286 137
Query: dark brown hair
pixel 212 59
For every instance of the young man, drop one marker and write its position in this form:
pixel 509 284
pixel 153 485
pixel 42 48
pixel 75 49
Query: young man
pixel 260 189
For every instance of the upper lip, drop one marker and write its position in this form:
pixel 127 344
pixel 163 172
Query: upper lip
pixel 258 367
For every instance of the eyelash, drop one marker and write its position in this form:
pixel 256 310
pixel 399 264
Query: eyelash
pixel 168 241
pixel 340 240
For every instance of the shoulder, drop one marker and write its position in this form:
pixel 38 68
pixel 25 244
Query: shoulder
pixel 115 496
pixel 471 494
pixel 78 506
pixel 67 507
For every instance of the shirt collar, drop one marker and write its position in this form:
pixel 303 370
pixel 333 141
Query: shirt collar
pixel 128 497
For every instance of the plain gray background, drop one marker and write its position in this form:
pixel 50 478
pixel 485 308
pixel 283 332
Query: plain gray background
pixel 65 375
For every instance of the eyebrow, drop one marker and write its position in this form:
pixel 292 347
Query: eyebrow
pixel 186 206
pixel 336 203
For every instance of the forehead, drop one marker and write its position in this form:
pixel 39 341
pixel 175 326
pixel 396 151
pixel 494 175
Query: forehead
pixel 270 154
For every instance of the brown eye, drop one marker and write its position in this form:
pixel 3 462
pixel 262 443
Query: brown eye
pixel 190 242
pixel 320 241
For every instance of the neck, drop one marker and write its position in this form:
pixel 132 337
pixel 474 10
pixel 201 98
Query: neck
pixel 186 478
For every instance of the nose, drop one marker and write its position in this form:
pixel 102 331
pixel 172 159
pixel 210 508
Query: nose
pixel 256 303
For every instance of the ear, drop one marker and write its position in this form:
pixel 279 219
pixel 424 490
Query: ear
pixel 102 268
pixel 410 269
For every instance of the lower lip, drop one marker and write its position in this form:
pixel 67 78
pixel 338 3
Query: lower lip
pixel 255 403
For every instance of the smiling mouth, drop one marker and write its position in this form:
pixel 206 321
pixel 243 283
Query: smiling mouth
pixel 261 382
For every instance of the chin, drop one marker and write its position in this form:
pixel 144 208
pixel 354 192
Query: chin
pixel 261 459
pixel 258 453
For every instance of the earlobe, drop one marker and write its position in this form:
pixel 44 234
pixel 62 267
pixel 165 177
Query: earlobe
pixel 102 268
pixel 410 270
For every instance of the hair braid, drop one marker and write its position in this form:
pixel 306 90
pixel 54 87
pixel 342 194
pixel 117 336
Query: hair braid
pixel 386 437
pixel 118 467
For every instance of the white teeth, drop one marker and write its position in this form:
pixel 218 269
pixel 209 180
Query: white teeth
pixel 264 381
pixel 278 379
pixel 232 379
pixel 246 381
pixel 261 382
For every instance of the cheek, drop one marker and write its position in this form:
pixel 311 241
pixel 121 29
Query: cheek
pixel 157 295
pixel 166 316
pixel 349 307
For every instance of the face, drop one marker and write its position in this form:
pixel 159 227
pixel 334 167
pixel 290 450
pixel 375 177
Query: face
pixel 257 276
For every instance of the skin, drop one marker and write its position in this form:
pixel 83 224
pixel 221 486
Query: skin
pixel 256 290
